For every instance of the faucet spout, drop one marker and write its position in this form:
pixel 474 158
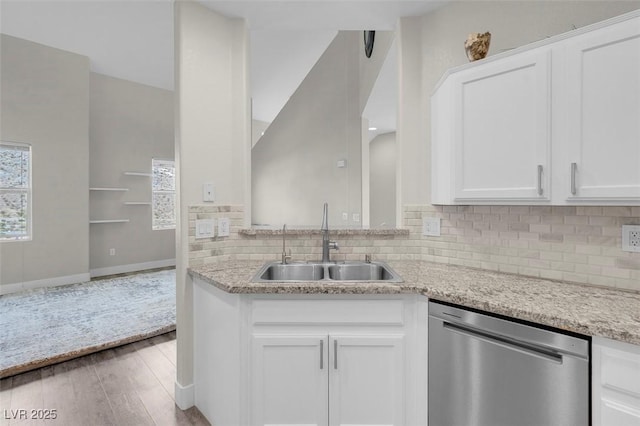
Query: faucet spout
pixel 325 220
pixel 326 244
pixel 285 257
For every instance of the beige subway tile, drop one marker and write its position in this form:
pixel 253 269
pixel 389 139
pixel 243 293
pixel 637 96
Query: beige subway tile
pixel 615 251
pixel 563 266
pixel 628 284
pixel 500 209
pixel 635 212
pixel 539 264
pixel 562 229
pixel 576 220
pixel 618 211
pixel 540 210
pixel 532 272
pixel 602 261
pixel 603 221
pixel 589 269
pixel 518 210
pixel 539 245
pixel 589 211
pixel 575 258
pixel 563 210
pixel 482 209
pixel 550 255
pixel 519 227
pixel 530 219
pixel 588 249
pixel 601 280
pixel 576 239
pixel 628 263
pixel 550 274
pixel 612 231
pixel 508 269
pixel 518 243
pixel 615 272
pixel 552 219
pixel 528 235
pixel 574 277
pixel 540 229
pixel 588 230
pixel 509 235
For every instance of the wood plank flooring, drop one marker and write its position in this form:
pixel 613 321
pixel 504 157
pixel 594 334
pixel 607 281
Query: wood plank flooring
pixel 128 385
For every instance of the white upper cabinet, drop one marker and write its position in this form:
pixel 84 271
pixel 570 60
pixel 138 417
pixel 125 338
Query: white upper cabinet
pixel 603 114
pixel 557 122
pixel 502 138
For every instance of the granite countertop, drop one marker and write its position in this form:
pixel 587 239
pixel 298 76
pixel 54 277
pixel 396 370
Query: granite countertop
pixel 588 310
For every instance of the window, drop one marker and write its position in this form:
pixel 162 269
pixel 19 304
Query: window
pixel 15 192
pixel 163 188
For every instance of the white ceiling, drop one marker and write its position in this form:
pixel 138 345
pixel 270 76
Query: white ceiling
pixel 133 39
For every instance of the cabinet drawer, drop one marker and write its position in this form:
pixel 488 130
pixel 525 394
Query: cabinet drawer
pixel 620 371
pixel 305 312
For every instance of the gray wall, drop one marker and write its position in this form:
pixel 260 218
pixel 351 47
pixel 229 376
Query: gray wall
pixel 45 103
pixel 382 181
pixel 294 165
pixel 130 124
pixel 431 44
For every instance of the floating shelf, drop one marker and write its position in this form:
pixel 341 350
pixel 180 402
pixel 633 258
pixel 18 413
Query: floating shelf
pixel 108 189
pixel 110 221
pixel 137 174
pixel 137 203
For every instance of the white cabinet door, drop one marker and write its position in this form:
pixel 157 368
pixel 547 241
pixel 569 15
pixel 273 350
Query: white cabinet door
pixel 616 383
pixel 502 132
pixel 366 380
pixel 603 115
pixel 289 380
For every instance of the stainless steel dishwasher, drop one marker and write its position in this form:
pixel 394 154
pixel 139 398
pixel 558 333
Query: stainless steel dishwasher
pixel 489 371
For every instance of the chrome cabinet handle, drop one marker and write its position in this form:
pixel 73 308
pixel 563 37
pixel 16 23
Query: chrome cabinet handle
pixel 574 168
pixel 321 354
pixel 335 354
pixel 540 179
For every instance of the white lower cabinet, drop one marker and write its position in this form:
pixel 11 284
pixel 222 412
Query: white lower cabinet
pixel 327 380
pixel 289 380
pixel 324 360
pixel 615 383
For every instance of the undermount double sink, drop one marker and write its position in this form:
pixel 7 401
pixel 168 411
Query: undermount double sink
pixel 326 272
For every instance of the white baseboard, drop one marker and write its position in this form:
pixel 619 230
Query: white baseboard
pixel 48 282
pixel 132 267
pixel 185 396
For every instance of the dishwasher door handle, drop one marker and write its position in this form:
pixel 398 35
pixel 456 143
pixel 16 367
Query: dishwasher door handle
pixel 505 342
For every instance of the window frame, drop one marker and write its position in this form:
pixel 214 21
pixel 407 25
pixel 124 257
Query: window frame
pixel 155 227
pixel 28 190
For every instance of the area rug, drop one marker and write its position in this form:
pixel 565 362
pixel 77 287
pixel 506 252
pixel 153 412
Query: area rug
pixel 49 325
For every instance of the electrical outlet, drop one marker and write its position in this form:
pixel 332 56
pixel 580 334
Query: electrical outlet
pixel 112 252
pixel 631 238
pixel 431 226
pixel 205 228
pixel 356 217
pixel 223 227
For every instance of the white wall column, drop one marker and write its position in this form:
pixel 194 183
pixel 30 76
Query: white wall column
pixel 212 142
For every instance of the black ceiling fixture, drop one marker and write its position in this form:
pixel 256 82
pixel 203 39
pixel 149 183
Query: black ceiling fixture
pixel 369 37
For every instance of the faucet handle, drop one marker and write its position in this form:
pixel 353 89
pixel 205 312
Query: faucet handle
pixel 367 258
pixel 334 245
pixel 286 257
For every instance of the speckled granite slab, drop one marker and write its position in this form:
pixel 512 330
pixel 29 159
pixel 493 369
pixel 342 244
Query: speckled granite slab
pixel 578 308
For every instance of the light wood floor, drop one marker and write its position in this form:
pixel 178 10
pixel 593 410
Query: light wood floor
pixel 129 385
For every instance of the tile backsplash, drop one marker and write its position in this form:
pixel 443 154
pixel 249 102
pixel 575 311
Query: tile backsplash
pixel 579 244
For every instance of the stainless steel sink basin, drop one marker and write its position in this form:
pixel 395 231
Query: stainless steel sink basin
pixel 360 272
pixel 277 271
pixel 331 271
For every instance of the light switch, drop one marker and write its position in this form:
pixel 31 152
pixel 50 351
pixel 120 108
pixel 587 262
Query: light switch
pixel 205 228
pixel 208 192
pixel 223 227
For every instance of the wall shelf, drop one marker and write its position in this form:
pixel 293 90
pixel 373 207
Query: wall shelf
pixel 137 174
pixel 108 189
pixel 110 221
pixel 137 203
